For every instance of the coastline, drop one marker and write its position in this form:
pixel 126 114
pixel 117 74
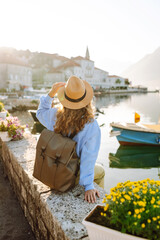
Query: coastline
pixel 99 93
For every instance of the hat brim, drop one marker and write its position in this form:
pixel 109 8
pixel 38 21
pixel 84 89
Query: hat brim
pixel 76 105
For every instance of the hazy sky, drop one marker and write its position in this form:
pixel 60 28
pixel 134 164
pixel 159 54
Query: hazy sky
pixel 117 32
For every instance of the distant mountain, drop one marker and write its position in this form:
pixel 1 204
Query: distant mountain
pixel 145 72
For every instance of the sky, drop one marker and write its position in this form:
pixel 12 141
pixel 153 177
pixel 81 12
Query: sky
pixel 117 32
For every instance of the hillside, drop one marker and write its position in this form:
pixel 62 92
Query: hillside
pixel 146 72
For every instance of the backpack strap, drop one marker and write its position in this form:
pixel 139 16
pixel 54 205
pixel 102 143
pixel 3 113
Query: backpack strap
pixel 44 139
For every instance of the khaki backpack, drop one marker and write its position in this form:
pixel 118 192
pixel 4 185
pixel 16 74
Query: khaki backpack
pixel 56 162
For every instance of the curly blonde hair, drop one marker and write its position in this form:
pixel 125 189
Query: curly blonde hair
pixel 71 121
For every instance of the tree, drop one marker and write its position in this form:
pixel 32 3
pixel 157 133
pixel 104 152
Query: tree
pixel 118 81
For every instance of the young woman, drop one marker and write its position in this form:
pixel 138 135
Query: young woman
pixel 75 118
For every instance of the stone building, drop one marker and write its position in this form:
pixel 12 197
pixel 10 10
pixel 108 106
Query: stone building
pixel 82 67
pixel 14 73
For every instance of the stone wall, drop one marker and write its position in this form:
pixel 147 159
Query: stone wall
pixel 51 215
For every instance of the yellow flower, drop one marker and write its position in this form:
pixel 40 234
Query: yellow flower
pixel 109 197
pixel 112 189
pixel 139 216
pixel 127 197
pixel 135 223
pixel 122 200
pixel 152 192
pixel 157 226
pixel 143 225
pixel 144 191
pixel 153 200
pixel 136 211
pixel 141 210
pixel 158 202
pixel 135 190
pixel 137 196
pixel 129 213
pixel 154 218
pixel 149 220
pixel 114 199
pixel 104 214
pixel 106 207
pixel 141 203
pixel 101 213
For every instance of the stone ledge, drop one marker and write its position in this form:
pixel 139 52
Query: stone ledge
pixel 51 215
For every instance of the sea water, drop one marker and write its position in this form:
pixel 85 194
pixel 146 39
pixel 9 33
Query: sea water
pixel 127 163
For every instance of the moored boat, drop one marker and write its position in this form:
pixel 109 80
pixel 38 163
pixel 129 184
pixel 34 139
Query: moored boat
pixel 136 133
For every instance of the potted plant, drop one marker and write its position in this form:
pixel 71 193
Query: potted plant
pixel 131 211
pixel 11 129
pixel 3 112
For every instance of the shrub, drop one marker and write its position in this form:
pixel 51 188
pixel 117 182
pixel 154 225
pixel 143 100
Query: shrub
pixel 134 207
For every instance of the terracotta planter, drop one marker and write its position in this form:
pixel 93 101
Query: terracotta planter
pixel 98 232
pixel 3 115
pixel 5 137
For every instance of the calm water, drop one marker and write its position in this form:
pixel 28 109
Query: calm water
pixel 129 163
pixel 122 164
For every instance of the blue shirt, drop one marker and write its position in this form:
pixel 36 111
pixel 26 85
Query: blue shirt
pixel 88 141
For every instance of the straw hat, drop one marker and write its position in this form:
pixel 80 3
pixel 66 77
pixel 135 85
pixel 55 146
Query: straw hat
pixel 76 93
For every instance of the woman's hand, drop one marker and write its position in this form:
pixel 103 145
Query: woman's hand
pixel 90 195
pixel 55 88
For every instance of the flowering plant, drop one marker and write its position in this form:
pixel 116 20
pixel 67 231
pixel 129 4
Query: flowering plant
pixel 134 208
pixel 12 126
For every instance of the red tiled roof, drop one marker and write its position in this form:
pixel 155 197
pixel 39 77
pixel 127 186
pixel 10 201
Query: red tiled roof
pixel 69 63
pixel 54 70
pixel 80 58
pixel 114 76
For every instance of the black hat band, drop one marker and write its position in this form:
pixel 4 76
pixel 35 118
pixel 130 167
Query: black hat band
pixel 75 100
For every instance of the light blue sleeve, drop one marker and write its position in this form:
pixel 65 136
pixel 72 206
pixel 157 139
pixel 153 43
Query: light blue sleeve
pixel 45 113
pixel 88 156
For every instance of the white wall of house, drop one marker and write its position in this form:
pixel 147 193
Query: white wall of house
pixel 116 81
pixel 19 76
pixel 15 76
pixel 75 70
pixel 57 63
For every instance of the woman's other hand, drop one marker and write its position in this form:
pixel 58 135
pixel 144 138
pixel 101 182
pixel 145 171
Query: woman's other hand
pixel 90 195
pixel 55 88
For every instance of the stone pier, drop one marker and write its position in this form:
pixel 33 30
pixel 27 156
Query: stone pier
pixel 52 216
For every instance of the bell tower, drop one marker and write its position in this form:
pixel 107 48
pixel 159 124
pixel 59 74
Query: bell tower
pixel 87 54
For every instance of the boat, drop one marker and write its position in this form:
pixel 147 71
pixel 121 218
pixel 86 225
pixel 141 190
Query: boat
pixel 135 157
pixel 136 133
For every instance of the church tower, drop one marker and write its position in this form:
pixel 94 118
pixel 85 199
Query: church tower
pixel 87 54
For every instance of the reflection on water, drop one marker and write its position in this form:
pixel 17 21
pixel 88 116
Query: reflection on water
pixel 135 157
pixel 111 99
